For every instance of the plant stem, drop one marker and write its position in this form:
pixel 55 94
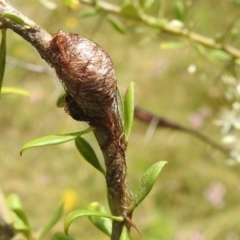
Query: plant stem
pixel 30 31
pixel 166 27
pixel 148 117
pixel 112 142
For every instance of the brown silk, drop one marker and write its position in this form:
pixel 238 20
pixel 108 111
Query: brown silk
pixel 86 72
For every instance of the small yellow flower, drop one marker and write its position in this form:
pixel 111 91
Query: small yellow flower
pixel 70 198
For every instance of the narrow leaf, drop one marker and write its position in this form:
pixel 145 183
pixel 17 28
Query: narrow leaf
pixel 3 50
pixel 129 10
pixel 148 180
pixel 15 205
pixel 179 10
pixel 117 25
pixel 220 55
pixel 61 236
pixel 103 224
pixel 6 217
pixel 18 20
pixel 11 90
pixel 20 219
pixel 145 4
pixel 89 12
pixel 128 109
pixel 234 34
pixel 48 4
pixel 159 23
pixel 214 55
pixel 171 45
pixel 87 212
pixel 88 153
pixel 53 140
pixel 53 221
pixel 20 226
pixel 147 39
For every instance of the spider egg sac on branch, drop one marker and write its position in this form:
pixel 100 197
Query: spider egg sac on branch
pixel 86 72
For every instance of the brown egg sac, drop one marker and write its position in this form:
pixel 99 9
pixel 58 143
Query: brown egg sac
pixel 86 72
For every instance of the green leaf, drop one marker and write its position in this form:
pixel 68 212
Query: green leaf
pixel 88 153
pixel 145 4
pixel 60 100
pixel 18 20
pixel 147 39
pixel 159 23
pixel 129 10
pixel 61 236
pixel 15 205
pixel 53 221
pixel 89 12
pixel 214 55
pixel 172 45
pixel 6 217
pixel 20 226
pixel 3 50
pixel 220 55
pixel 148 180
pixel 87 213
pixel 128 109
pixel 53 140
pixel 234 34
pixel 117 25
pixel 20 219
pixel 179 10
pixel 125 234
pixel 48 4
pixel 11 90
pixel 103 224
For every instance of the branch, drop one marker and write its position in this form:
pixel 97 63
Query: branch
pixel 29 66
pixel 86 72
pixel 166 27
pixel 26 28
pixel 148 117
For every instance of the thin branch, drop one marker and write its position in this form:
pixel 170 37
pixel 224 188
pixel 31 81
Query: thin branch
pixel 27 29
pixel 148 117
pixel 227 32
pixel 166 27
pixel 29 66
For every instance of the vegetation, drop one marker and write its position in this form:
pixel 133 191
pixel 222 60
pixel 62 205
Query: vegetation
pixel 184 61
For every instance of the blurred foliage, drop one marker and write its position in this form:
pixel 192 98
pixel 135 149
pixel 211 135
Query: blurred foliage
pixel 197 196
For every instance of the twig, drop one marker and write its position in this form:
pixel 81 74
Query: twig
pixel 148 117
pixel 28 29
pixel 227 32
pixel 167 27
pixel 29 66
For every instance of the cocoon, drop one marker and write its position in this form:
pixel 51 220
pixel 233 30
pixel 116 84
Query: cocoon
pixel 86 72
